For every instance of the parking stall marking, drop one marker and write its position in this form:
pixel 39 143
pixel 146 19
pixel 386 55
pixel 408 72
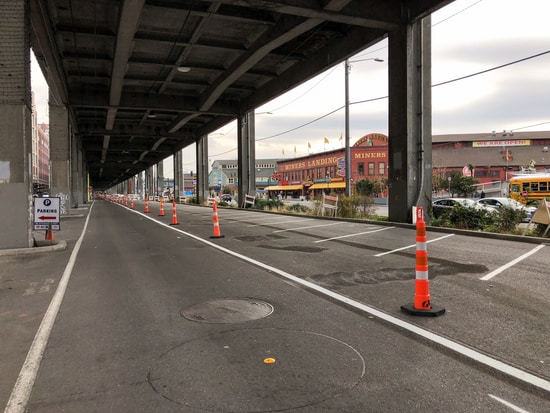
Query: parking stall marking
pixel 230 214
pixel 311 226
pixel 508 404
pixel 511 263
pixel 412 245
pixel 353 235
pixel 235 221
pixel 278 222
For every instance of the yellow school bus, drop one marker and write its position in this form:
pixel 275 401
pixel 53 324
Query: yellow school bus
pixel 530 186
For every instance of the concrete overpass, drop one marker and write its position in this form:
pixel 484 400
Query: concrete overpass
pixel 134 81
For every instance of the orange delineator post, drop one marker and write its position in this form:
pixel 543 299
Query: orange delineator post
pixel 422 304
pixel 146 204
pixel 174 213
pixel 49 233
pixel 217 233
pixel 161 214
pixel 132 203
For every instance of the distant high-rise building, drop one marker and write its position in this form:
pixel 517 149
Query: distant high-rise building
pixel 40 154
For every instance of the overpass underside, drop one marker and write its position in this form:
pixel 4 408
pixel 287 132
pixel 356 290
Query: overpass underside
pixel 134 82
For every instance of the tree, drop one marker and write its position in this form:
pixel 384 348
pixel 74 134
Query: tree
pixel 460 185
pixel 364 187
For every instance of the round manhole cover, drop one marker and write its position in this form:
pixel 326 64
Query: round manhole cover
pixel 228 310
pixel 257 370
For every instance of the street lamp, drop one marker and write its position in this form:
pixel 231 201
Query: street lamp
pixel 449 179
pixel 347 69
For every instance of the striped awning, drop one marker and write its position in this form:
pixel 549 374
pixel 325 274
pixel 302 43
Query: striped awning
pixel 325 185
pixel 284 188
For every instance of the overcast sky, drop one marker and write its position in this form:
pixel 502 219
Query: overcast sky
pixel 468 37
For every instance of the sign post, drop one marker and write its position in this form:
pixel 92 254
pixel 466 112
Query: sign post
pixel 46 213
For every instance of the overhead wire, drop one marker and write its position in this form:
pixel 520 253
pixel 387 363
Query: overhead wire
pixel 386 97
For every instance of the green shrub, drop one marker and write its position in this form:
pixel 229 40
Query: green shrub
pixel 268 204
pixel 506 219
pixel 464 217
pixel 298 209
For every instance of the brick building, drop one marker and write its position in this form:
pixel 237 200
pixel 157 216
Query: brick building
pixel 326 171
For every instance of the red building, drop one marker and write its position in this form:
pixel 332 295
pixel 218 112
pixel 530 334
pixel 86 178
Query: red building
pixel 327 170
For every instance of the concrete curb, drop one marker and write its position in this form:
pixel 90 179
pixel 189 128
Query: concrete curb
pixel 58 246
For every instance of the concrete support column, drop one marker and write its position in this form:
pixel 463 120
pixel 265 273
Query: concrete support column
pixel 149 182
pixel 139 189
pixel 16 130
pixel 409 119
pixel 247 156
pixel 160 178
pixel 178 174
pixel 77 184
pixel 202 169
pixel 60 155
pixel 84 178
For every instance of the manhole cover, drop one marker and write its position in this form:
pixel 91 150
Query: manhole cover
pixel 257 370
pixel 228 310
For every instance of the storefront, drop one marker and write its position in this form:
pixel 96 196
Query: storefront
pixel 325 172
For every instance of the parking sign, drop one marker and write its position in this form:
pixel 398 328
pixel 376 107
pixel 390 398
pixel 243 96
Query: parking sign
pixel 46 212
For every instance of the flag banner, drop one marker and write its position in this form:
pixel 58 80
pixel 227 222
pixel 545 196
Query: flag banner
pixel 326 140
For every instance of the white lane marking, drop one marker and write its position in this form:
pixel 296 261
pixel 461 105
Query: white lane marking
pixel 230 214
pixel 311 226
pixel 442 341
pixel 21 392
pixel 412 245
pixel 242 221
pixel 508 404
pixel 511 263
pixel 353 235
pixel 279 222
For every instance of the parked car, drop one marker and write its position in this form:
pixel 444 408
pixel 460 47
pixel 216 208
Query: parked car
pixel 510 203
pixel 228 199
pixel 440 206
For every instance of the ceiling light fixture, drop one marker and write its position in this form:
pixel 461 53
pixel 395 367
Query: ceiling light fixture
pixel 184 69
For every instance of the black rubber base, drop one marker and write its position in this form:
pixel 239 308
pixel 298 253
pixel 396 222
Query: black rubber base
pixel 213 236
pixel 177 223
pixel 432 312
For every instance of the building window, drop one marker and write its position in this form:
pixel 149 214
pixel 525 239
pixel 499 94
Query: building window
pixel 371 168
pixel 381 168
pixel 361 169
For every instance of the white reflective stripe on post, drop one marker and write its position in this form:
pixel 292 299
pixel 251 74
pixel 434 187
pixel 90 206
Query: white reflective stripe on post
pixel 421 275
pixel 422 246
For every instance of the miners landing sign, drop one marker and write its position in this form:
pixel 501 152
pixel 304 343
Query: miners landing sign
pixel 46 213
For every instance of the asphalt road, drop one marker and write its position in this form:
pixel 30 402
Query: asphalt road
pixel 284 313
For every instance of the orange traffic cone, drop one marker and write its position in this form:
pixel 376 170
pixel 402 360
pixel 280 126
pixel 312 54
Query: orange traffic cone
pixel 49 233
pixel 161 214
pixel 217 233
pixel 422 304
pixel 146 204
pixel 174 214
